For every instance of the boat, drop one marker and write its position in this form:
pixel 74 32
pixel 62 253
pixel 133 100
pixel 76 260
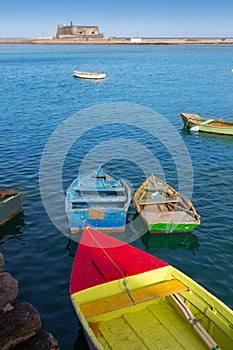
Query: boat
pixel 88 75
pixel 217 126
pixel 10 204
pixel 100 199
pixel 128 299
pixel 163 209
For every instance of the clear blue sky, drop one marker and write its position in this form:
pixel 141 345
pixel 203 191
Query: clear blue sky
pixel 152 18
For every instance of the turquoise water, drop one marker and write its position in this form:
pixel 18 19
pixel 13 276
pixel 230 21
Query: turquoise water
pixel 39 93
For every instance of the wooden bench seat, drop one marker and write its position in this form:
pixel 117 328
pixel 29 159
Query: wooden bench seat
pixel 141 295
pixel 154 201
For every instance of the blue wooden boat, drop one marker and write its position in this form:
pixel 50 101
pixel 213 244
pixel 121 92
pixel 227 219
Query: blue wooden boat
pixel 99 199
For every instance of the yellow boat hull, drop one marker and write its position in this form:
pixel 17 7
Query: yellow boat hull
pixel 147 317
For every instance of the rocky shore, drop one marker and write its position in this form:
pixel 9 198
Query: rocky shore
pixel 19 324
pixel 113 40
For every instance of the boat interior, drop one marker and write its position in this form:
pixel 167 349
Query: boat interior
pixel 159 202
pixel 173 209
pixel 165 213
pixel 149 318
pixel 212 122
pixel 208 121
pixel 156 325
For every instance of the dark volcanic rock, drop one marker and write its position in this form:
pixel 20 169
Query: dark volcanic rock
pixel 1 261
pixel 8 289
pixel 17 325
pixel 40 341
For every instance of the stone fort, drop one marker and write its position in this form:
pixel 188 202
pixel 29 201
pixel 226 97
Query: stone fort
pixel 81 32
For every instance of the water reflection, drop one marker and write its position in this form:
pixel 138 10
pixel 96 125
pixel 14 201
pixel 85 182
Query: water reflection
pixel 13 229
pixel 171 241
pixel 71 247
pixel 209 136
pixel 80 342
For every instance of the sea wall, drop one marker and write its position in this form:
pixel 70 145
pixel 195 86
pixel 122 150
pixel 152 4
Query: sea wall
pixel 108 41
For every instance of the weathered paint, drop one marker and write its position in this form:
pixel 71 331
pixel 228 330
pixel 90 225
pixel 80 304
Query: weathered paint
pixel 99 199
pixel 98 270
pixel 152 320
pixel 216 126
pixel 10 207
pixel 163 209
pixel 164 227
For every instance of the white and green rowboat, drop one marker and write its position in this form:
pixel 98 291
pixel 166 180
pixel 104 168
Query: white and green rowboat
pixel 217 126
pixel 163 209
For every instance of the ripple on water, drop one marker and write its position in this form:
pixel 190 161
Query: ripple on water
pixel 38 93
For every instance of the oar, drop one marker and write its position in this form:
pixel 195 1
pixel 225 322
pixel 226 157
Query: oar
pixel 195 323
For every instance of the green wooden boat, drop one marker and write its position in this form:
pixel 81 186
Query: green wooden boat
pixel 163 209
pixel 217 126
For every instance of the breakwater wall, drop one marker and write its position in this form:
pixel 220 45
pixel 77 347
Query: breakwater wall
pixel 115 41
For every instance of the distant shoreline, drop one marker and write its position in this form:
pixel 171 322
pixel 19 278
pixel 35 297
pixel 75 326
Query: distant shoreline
pixel 109 41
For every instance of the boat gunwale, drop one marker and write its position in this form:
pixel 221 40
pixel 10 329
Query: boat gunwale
pixel 89 75
pixel 186 202
pixel 218 313
pixel 5 201
pixel 225 127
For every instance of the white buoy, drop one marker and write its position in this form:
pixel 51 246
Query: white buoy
pixel 194 128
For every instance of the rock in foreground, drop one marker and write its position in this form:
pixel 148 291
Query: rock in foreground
pixel 18 324
pixel 40 341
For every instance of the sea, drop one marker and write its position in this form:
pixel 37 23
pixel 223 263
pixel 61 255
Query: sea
pixel 54 126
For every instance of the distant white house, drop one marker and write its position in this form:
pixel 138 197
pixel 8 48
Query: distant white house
pixel 136 40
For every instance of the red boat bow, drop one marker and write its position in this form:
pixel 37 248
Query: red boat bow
pixel 101 258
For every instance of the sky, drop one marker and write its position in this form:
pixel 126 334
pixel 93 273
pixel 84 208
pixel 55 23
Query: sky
pixel 120 18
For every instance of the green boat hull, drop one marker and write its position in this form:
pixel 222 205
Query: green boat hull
pixel 167 227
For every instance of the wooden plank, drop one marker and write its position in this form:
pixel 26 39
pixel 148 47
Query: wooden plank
pixel 177 325
pixel 217 316
pixel 96 330
pixel 96 214
pixel 119 335
pixel 150 330
pixel 140 295
pixel 153 201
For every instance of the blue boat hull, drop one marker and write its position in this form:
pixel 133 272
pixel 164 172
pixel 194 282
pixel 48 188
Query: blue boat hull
pixel 111 220
pixel 98 199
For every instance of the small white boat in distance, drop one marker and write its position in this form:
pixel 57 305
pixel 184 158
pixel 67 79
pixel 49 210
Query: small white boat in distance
pixel 89 75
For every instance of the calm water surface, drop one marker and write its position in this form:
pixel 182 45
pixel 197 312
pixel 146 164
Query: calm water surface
pixel 38 93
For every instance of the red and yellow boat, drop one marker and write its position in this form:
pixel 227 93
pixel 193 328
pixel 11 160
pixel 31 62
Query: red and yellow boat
pixel 128 299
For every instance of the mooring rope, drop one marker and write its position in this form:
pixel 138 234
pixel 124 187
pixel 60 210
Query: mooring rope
pixel 194 320
pixel 125 281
